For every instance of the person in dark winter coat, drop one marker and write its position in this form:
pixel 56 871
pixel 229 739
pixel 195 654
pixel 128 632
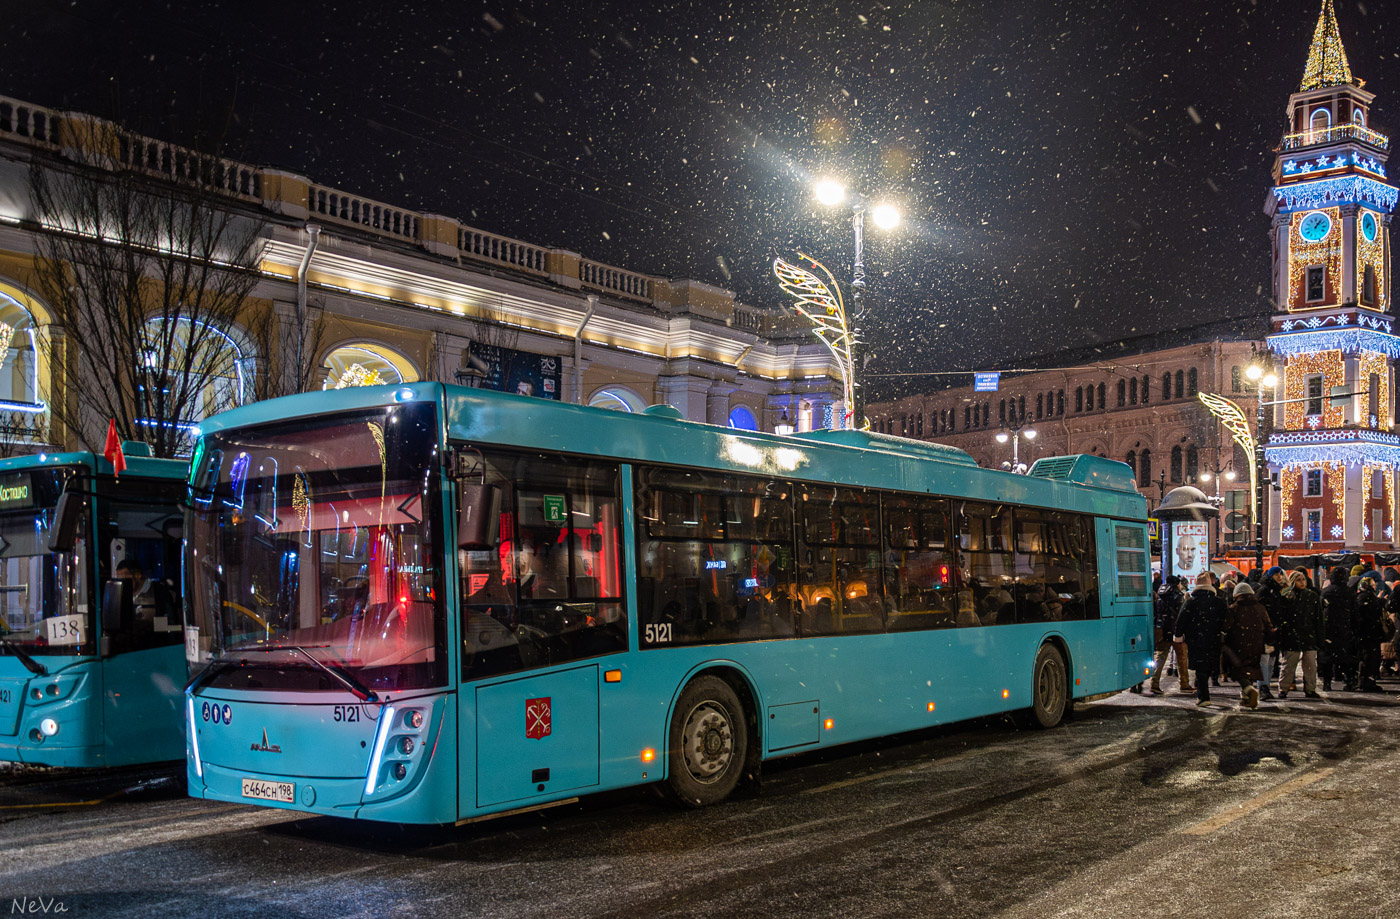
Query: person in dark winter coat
pixel 1300 634
pixel 1337 657
pixel 1199 624
pixel 1247 630
pixel 1270 593
pixel 1168 606
pixel 1370 632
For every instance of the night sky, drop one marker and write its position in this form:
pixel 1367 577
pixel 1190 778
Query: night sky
pixel 1072 172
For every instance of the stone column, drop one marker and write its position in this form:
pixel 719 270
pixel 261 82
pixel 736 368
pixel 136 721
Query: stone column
pixel 690 395
pixel 1352 507
pixel 717 404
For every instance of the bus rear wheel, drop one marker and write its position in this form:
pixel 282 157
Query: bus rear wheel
pixel 708 743
pixel 1049 689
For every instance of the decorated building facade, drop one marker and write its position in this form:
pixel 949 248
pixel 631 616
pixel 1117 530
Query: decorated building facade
pixel 1333 449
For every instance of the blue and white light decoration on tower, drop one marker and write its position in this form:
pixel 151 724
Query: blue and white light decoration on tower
pixel 1333 446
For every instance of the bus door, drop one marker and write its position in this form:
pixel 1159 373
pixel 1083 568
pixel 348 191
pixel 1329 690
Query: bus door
pixel 1131 596
pixel 539 606
pixel 142 632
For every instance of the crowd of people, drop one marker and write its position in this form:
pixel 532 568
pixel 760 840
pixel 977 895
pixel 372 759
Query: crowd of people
pixel 1257 630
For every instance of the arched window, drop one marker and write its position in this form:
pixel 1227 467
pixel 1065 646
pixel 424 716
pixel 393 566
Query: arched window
pixel 1180 388
pixel 1131 460
pixel 1191 378
pixel 1021 408
pixel 1132 391
pixel 1146 382
pixel 1176 463
pixel 1088 398
pixel 1145 468
pixel 1235 383
pixel 620 400
pixel 1320 120
pixel 1103 403
pixel 1166 386
pixel 1192 463
pixel 1060 402
pixel 1368 285
pixel 366 365
pixel 967 417
pixel 217 362
pixel 1373 398
pixel 742 419
pixel 1039 406
pixel 1358 117
pixel 19 359
pixel 1122 393
pixel 1079 399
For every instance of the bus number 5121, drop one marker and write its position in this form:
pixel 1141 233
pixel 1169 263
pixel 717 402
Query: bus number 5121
pixel 658 633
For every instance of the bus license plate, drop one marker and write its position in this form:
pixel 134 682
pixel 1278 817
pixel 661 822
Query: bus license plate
pixel 269 791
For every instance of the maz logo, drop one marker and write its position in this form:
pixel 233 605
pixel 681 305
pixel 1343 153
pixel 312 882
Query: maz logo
pixel 266 747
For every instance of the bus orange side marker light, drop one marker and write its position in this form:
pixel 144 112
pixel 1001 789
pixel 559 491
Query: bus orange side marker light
pixel 1006 693
pixel 930 706
pixel 648 755
pixel 612 676
pixel 1076 681
pixel 828 724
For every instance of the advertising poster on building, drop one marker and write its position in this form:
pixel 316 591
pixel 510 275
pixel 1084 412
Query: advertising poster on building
pixel 1189 556
pixel 519 372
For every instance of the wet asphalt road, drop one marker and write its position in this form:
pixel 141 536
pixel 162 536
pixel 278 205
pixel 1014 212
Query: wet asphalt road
pixel 1139 806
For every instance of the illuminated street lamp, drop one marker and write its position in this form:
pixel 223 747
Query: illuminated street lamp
pixel 886 216
pixel 1014 434
pixel 1266 380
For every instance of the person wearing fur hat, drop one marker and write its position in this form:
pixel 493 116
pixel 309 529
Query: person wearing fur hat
pixel 1300 634
pixel 1199 625
pixel 1337 657
pixel 1247 629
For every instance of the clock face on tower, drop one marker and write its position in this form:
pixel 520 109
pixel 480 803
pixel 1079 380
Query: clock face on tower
pixel 1368 227
pixel 1315 226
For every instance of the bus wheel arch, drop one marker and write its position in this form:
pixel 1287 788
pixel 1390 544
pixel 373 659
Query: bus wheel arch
pixel 1051 697
pixel 712 738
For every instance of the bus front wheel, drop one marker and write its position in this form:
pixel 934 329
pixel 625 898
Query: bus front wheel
pixel 708 743
pixel 1050 690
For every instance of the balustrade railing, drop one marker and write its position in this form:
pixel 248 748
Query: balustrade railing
pixel 1336 134
pixel 364 212
pixel 184 165
pixel 501 250
pixel 20 119
pixel 614 280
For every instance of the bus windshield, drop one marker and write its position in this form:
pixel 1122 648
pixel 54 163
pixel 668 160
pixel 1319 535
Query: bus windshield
pixel 316 539
pixel 44 602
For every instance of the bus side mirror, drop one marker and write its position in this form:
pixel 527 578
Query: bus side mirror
pixel 63 535
pixel 478 515
pixel 118 610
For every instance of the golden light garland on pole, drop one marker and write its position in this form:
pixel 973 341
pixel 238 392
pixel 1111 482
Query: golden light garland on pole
pixel 822 306
pixel 1237 424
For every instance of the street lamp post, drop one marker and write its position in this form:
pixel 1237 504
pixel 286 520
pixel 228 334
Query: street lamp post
pixel 886 217
pixel 1266 380
pixel 1014 433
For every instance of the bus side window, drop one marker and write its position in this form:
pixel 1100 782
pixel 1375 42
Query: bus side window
pixel 142 545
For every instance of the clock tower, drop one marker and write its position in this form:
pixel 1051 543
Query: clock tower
pixel 1333 447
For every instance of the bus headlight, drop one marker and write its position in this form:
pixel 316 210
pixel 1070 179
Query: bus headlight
pixel 48 727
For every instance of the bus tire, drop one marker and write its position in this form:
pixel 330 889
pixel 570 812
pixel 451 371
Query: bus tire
pixel 707 744
pixel 1049 689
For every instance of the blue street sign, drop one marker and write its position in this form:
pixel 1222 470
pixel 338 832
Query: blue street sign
pixel 986 382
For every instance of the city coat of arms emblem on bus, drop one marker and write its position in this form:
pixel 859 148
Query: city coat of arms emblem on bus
pixel 537 718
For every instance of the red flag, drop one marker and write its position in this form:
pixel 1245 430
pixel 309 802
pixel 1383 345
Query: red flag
pixel 113 450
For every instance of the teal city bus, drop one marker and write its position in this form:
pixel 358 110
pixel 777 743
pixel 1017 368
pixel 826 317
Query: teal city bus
pixel 91 641
pixel 429 604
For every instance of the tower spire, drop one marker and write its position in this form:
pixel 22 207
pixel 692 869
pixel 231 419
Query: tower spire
pixel 1327 59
